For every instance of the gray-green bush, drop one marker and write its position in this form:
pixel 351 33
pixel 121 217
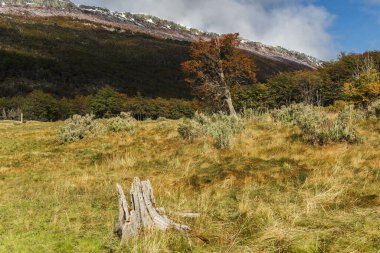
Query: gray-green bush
pixel 220 127
pixel 351 114
pixel 317 127
pixel 374 109
pixel 191 129
pixel 293 113
pixel 122 123
pixel 78 127
pixel 255 115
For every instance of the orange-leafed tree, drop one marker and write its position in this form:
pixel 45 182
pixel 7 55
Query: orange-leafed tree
pixel 216 66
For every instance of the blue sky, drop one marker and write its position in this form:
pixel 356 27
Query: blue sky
pixel 321 28
pixel 356 25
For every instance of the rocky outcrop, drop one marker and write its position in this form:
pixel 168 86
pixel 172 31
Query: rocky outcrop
pixel 147 24
pixel 37 3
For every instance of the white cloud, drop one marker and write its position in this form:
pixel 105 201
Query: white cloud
pixel 293 24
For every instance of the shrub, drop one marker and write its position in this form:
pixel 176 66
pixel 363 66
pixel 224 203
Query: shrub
pixel 315 125
pixel 374 109
pixel 343 130
pixel 220 127
pixel 289 114
pixel 221 120
pixel 350 114
pixel 338 106
pixel 126 115
pixel 122 123
pixel 162 119
pixel 255 114
pixel 77 128
pixel 191 130
pixel 222 134
pixel 194 128
pixel 326 131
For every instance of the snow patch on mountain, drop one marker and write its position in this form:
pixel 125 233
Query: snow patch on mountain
pixel 151 25
pixel 274 53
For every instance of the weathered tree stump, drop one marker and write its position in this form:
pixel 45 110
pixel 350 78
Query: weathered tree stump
pixel 143 214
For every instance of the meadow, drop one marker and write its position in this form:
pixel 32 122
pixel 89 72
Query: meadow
pixel 269 192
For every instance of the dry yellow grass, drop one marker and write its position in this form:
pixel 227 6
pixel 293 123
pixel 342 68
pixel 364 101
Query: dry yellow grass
pixel 268 193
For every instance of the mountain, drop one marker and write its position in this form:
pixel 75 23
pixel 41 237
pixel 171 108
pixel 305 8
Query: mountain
pixel 38 3
pixel 168 29
pixel 72 50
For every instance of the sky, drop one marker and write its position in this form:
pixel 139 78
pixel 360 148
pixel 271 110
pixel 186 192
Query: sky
pixel 321 28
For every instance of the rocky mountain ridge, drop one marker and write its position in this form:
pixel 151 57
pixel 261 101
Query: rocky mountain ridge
pixel 38 3
pixel 151 25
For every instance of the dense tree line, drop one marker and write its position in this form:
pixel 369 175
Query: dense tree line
pixel 217 69
pixel 107 102
pixel 353 78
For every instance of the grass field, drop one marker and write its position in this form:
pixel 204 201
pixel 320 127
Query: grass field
pixel 268 193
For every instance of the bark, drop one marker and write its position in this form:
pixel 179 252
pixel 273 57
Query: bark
pixel 230 105
pixel 143 214
pixel 4 114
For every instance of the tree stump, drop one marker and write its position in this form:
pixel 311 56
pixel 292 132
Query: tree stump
pixel 143 214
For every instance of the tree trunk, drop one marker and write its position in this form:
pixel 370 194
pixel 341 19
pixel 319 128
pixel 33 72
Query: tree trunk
pixel 225 86
pixel 143 214
pixel 4 114
pixel 228 101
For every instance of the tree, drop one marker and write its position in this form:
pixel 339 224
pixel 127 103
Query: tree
pixel 365 84
pixel 252 97
pixel 306 86
pixel 81 105
pixel 342 70
pixel 66 109
pixel 41 106
pixel 215 67
pixel 106 101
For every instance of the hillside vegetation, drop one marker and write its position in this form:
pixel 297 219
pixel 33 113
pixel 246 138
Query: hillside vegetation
pixel 68 57
pixel 269 192
pixel 352 79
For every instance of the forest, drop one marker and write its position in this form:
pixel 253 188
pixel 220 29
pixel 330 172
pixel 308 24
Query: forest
pixel 326 87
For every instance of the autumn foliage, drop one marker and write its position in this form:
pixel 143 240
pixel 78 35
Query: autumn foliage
pixel 216 66
pixel 365 86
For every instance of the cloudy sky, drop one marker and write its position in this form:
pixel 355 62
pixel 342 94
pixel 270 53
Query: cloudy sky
pixel 321 28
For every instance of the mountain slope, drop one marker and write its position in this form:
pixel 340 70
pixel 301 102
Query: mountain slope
pixel 69 50
pixel 38 3
pixel 169 29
